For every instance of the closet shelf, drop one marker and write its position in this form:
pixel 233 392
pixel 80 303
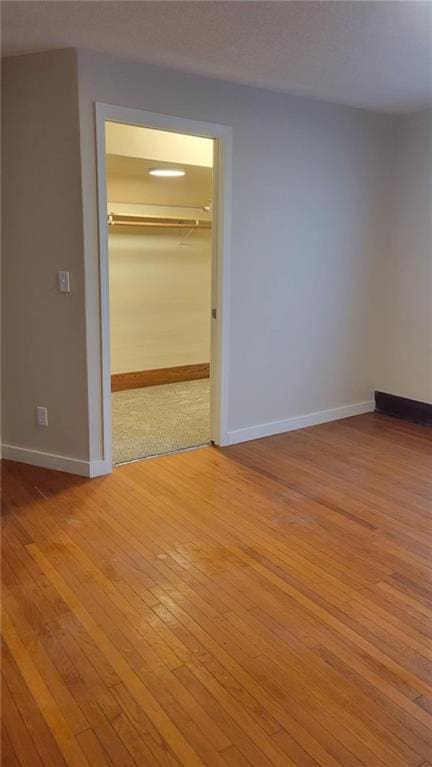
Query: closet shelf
pixel 115 219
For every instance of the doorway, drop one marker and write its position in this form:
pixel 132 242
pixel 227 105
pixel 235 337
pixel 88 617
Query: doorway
pixel 164 277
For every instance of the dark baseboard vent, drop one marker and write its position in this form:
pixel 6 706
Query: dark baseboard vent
pixel 401 407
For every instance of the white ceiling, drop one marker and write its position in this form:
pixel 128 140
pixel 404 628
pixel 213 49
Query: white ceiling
pixel 136 141
pixel 372 54
pixel 128 180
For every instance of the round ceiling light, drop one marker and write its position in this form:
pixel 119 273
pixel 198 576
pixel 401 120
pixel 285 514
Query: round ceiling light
pixel 167 172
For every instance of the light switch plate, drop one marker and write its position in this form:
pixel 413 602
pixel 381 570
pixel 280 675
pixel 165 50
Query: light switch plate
pixel 63 282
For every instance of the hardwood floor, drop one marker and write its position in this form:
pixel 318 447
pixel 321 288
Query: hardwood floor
pixel 265 604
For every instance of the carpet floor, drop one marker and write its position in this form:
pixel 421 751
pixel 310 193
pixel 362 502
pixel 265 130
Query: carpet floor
pixel 160 419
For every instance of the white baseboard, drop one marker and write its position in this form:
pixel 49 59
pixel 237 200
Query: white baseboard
pixel 46 460
pixel 299 422
pixel 99 468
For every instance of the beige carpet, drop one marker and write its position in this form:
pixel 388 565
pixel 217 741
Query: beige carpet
pixel 160 419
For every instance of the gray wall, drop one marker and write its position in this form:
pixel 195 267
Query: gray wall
pixel 307 184
pixel 43 354
pixel 309 237
pixel 404 309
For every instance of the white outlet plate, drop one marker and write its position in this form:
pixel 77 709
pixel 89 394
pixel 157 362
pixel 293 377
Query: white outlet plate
pixel 42 416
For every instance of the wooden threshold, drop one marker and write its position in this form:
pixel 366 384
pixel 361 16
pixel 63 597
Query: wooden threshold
pixel 140 378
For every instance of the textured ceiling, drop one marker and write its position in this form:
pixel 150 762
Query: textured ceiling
pixel 372 54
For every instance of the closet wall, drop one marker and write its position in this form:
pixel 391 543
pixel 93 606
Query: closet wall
pixel 160 278
pixel 159 299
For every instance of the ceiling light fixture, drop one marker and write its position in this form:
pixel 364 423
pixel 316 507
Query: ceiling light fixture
pixel 167 172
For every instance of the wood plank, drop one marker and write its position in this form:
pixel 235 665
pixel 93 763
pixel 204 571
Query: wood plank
pixel 150 705
pixel 68 745
pixel 263 604
pixel 13 724
pixel 141 378
pixel 38 728
pixel 8 753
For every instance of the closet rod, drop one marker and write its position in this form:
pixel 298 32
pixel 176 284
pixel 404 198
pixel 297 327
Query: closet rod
pixel 165 223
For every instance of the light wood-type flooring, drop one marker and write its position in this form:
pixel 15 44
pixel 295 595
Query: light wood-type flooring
pixel 264 605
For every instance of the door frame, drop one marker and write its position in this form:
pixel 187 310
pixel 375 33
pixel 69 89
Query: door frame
pixel 221 257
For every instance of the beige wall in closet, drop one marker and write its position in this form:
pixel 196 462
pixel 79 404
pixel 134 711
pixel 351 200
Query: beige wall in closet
pixel 159 299
pixel 160 279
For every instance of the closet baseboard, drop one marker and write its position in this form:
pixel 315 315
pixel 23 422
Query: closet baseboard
pixel 140 378
pixel 402 407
